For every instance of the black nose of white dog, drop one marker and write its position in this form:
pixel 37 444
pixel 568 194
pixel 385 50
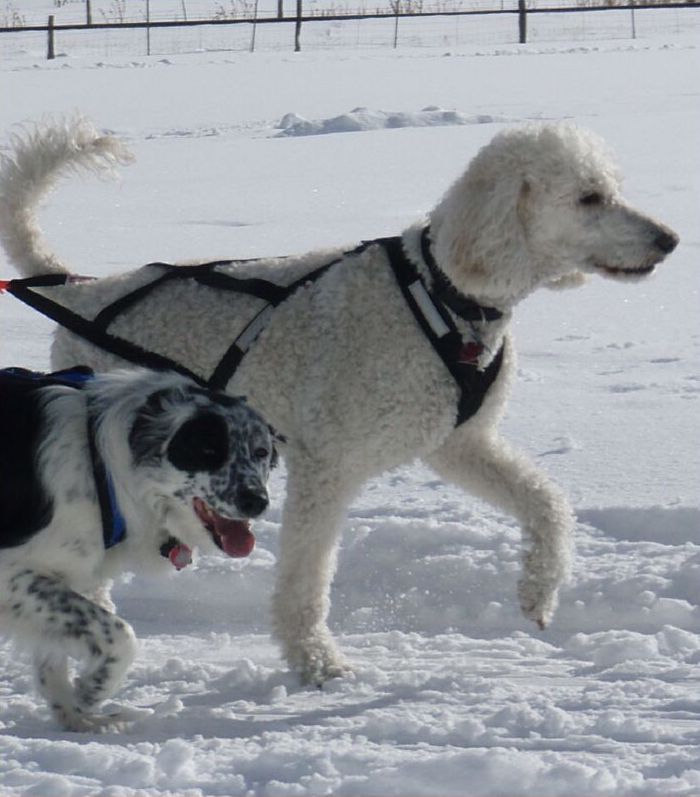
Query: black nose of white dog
pixel 666 241
pixel 252 502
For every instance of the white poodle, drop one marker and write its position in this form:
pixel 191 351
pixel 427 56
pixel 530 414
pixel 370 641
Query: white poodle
pixel 368 358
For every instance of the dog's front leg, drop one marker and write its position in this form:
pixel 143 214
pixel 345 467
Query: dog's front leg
pixel 62 623
pixel 489 468
pixel 317 497
pixel 53 684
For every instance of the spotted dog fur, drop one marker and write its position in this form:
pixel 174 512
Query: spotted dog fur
pixel 189 467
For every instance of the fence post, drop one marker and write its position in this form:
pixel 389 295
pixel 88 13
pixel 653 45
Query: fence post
pixel 297 28
pixel 88 12
pixel 255 25
pixel 397 4
pixel 148 27
pixel 634 26
pixel 522 21
pixel 52 52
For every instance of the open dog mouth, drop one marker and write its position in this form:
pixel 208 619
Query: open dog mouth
pixel 615 271
pixel 233 537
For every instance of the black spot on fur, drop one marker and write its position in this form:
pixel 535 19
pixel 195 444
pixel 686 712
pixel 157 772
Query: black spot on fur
pixel 200 444
pixel 25 506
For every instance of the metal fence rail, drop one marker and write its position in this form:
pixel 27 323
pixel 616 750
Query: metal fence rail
pixel 520 15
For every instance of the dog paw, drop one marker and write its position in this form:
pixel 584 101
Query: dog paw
pixel 538 602
pixel 116 720
pixel 318 676
pixel 317 664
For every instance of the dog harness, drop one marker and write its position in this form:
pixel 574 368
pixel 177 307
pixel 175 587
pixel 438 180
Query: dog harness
pixel 21 380
pixel 434 309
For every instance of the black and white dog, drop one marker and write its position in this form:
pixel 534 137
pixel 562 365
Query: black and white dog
pixel 122 471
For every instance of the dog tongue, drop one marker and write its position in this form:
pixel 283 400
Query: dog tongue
pixel 235 535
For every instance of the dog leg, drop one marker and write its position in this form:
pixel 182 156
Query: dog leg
pixel 53 684
pixel 65 623
pixel 489 468
pixel 312 518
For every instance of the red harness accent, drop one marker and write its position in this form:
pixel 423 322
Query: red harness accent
pixel 470 352
pixel 180 555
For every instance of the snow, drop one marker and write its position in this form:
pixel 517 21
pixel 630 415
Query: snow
pixel 454 693
pixel 359 119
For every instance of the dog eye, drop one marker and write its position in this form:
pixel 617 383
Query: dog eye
pixel 592 198
pixel 261 453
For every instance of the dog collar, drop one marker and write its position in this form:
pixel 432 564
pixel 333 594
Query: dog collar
pixel 179 554
pixel 444 291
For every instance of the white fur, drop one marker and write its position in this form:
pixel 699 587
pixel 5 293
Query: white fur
pixel 54 580
pixel 346 374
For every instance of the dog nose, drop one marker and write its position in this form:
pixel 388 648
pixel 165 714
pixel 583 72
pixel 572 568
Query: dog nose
pixel 666 241
pixel 251 502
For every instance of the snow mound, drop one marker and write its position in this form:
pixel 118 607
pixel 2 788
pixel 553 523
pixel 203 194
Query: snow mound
pixel 361 119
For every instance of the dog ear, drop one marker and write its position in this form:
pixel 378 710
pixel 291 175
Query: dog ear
pixel 145 439
pixel 523 208
pixel 276 438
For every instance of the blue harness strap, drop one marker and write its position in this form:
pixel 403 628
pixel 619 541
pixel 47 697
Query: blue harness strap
pixel 113 523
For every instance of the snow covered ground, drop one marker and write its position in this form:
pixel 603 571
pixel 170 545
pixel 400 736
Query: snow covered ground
pixel 454 693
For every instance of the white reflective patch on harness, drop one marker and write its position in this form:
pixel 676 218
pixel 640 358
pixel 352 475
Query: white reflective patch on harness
pixel 246 339
pixel 428 309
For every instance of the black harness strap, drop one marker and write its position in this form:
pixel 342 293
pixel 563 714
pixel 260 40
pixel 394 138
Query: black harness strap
pixel 95 331
pixel 90 331
pixel 228 364
pixel 203 274
pixel 473 383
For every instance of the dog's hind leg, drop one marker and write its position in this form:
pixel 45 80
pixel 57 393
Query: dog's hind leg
pixel 61 624
pixel 489 468
pixel 317 496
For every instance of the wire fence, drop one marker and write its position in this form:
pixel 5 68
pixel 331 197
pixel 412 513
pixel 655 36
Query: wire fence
pixel 400 26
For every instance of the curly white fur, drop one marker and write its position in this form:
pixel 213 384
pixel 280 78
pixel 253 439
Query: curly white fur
pixel 346 374
pixel 39 157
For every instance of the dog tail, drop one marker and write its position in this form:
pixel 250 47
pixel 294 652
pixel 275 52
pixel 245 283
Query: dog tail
pixel 37 158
